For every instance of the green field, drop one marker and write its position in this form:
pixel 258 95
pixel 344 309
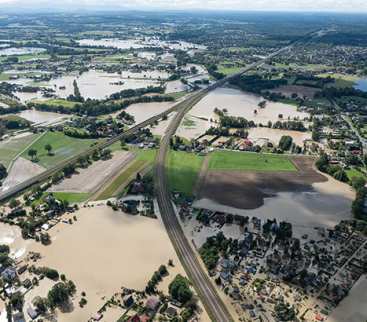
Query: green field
pixel 228 70
pixel 56 102
pixel 63 147
pixel 122 179
pixel 147 155
pixel 353 172
pixel 229 160
pixel 9 149
pixel 183 171
pixel 71 197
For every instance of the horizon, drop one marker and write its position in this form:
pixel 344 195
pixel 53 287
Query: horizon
pixel 304 6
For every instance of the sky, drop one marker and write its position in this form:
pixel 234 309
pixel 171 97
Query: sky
pixel 269 5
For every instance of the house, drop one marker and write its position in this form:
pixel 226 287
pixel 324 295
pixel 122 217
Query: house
pixel 171 311
pixel 97 317
pixel 9 273
pixel 32 313
pixel 128 300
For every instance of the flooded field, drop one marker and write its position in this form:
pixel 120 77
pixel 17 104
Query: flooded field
pixel 192 127
pixel 39 117
pixel 114 250
pixel 21 51
pixel 97 85
pixel 274 135
pixel 305 198
pixel 144 111
pixel 139 43
pixel 94 84
pixel 243 104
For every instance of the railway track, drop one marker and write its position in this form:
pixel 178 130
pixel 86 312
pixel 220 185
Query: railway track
pixel 50 172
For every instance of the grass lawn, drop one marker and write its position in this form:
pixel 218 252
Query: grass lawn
pixel 183 171
pixel 71 197
pixel 9 149
pixel 230 160
pixel 353 172
pixel 63 147
pixel 122 179
pixel 147 155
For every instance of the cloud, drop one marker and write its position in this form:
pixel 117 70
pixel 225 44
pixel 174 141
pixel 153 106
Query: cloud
pixel 310 5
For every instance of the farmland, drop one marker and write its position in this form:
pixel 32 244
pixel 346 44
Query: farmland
pixel 10 148
pixel 63 147
pixel 183 171
pixel 229 160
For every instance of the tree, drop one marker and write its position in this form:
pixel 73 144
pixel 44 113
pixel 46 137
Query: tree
pixel 179 289
pixel 40 304
pixel 58 295
pixel 285 142
pixel 17 301
pixel 358 182
pixel 48 148
pixel 32 153
pixel 341 175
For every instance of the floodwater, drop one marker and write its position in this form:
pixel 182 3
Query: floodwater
pixel 325 206
pixel 175 86
pixel 126 252
pixel 38 117
pixel 144 111
pixel 98 85
pixel 21 51
pixel 243 104
pixel 112 42
pixel 94 84
pixel 361 84
pixel 12 236
pixel 139 43
pixel 274 135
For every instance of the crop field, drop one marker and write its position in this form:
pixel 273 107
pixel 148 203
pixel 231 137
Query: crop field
pixel 229 160
pixel 10 148
pixel 63 147
pixel 183 171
